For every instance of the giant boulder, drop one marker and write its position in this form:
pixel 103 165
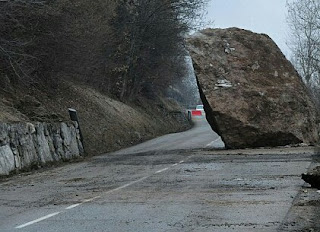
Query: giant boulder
pixel 253 96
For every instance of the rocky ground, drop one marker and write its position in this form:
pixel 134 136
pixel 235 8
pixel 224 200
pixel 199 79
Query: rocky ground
pixel 305 211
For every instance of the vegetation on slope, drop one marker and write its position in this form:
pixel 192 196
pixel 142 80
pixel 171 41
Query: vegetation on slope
pixel 95 56
pixel 126 48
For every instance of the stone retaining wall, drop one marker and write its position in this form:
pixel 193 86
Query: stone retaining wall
pixel 25 145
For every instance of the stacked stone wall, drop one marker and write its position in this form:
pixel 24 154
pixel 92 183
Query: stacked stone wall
pixel 26 145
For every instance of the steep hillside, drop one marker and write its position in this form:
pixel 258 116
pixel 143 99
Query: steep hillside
pixel 73 53
pixel 107 124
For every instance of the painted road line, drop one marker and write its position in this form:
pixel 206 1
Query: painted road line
pixel 119 188
pixel 162 170
pixel 74 205
pixel 91 199
pixel 78 204
pixel 176 164
pixel 127 185
pixel 37 220
pixel 94 198
pixel 209 144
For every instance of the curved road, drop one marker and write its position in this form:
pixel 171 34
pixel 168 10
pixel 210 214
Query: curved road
pixel 200 136
pixel 179 182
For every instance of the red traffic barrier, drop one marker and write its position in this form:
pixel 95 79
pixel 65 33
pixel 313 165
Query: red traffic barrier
pixel 196 113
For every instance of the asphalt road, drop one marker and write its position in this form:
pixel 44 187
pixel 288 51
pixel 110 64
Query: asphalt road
pixel 200 136
pixel 179 182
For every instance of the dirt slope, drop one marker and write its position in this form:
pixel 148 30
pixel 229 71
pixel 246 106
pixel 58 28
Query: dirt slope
pixel 107 124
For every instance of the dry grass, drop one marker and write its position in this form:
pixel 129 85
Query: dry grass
pixel 107 124
pixel 71 56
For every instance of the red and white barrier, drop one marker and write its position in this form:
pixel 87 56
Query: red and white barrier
pixel 196 112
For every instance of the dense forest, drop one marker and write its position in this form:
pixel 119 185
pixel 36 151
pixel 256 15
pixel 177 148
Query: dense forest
pixel 125 48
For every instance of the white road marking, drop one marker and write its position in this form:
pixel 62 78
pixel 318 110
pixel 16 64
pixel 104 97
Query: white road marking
pixel 119 188
pixel 94 198
pixel 73 206
pixel 127 185
pixel 91 199
pixel 209 144
pixel 173 165
pixel 162 170
pixel 37 220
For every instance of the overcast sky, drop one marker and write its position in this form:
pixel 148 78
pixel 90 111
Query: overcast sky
pixel 262 16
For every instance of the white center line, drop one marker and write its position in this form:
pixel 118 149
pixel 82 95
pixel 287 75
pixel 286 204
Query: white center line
pixel 119 188
pixel 94 198
pixel 38 220
pixel 127 185
pixel 78 204
pixel 162 170
pixel 209 144
pixel 91 199
pixel 73 206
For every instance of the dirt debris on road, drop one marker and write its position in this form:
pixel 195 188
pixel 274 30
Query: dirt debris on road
pixel 181 189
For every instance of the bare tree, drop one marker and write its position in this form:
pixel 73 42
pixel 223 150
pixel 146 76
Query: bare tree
pixel 26 39
pixel 304 21
pixel 149 37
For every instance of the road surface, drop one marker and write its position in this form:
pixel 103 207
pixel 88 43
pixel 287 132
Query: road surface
pixel 200 136
pixel 179 182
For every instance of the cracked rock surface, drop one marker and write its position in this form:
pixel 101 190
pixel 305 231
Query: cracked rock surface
pixel 25 145
pixel 252 95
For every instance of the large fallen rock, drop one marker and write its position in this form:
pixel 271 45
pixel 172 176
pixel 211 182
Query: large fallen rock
pixel 252 95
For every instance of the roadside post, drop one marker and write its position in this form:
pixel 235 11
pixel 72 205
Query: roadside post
pixel 189 115
pixel 74 117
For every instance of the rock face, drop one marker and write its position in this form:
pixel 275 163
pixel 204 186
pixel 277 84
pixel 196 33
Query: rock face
pixel 253 96
pixel 24 145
